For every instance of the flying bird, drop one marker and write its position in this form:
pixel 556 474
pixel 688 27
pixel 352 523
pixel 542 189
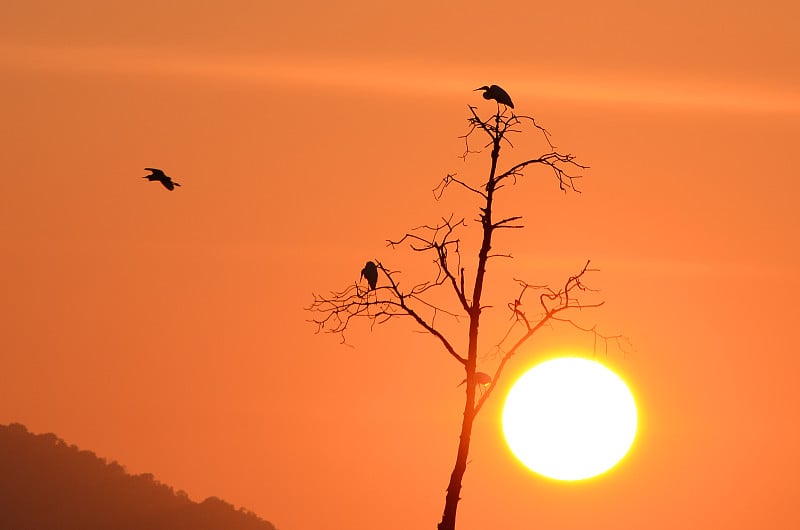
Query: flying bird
pixel 496 93
pixel 160 176
pixel 370 272
pixel 481 379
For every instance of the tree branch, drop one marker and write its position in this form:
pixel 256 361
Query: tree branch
pixel 440 188
pixel 439 241
pixel 554 303
pixel 378 305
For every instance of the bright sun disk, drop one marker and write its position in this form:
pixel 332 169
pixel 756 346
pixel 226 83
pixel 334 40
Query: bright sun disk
pixel 569 418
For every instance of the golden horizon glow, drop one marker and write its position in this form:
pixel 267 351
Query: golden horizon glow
pixel 570 418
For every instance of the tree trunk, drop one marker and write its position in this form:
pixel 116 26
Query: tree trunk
pixel 448 521
pixel 454 487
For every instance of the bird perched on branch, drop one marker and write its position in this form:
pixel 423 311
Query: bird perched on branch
pixel 370 272
pixel 480 379
pixel 160 176
pixel 496 93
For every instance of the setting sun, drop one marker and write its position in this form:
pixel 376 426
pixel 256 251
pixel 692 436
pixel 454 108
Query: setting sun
pixel 569 418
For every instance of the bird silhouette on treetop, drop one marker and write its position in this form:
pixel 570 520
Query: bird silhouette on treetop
pixel 160 176
pixel 496 93
pixel 370 272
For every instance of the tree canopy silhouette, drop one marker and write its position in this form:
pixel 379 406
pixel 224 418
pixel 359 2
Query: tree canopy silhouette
pixel 48 485
pixel 457 291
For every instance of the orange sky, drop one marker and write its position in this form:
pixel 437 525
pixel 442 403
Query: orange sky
pixel 167 331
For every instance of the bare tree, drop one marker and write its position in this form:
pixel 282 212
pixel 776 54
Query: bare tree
pixel 448 294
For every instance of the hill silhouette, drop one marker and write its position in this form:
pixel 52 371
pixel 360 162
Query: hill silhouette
pixel 46 484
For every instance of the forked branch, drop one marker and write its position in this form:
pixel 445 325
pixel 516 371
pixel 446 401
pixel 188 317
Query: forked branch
pixel 497 128
pixel 440 240
pixel 555 305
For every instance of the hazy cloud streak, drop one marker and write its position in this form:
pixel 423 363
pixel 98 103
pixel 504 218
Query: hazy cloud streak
pixel 400 77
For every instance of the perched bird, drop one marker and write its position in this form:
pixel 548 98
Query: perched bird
pixel 370 272
pixel 496 93
pixel 160 176
pixel 481 379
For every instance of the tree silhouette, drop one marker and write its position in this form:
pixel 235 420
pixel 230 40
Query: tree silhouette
pixel 46 484
pixel 448 295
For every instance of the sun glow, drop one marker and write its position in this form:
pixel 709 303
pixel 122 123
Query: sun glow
pixel 569 418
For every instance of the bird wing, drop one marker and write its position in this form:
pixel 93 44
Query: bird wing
pixel 155 171
pixel 500 95
pixel 369 269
